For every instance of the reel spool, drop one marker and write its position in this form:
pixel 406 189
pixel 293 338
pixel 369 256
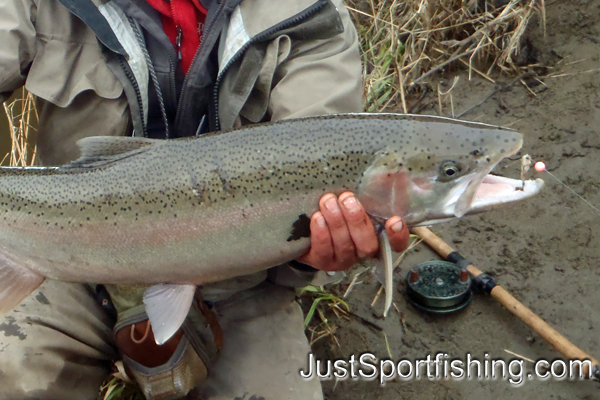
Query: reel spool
pixel 438 287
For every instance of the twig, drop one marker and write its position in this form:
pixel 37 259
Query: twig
pixel 415 242
pixel 347 292
pixel 351 286
pixel 520 356
pixel 499 89
pixel 446 93
pixel 484 76
pixel 417 103
pixel 436 69
pixel 371 16
pixel 377 296
pixel 403 323
pixel 401 82
pixel 574 73
pixel 512 123
pixel 363 320
pixel 387 346
pixel 527 87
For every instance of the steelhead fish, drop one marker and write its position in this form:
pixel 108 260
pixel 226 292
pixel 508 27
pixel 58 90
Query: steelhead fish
pixel 186 212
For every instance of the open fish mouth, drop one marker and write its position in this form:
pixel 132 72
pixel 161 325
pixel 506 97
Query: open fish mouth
pixel 495 191
pixel 475 194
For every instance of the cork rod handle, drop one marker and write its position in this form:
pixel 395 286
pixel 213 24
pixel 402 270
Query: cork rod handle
pixel 551 335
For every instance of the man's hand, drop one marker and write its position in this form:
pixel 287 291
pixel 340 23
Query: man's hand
pixel 342 234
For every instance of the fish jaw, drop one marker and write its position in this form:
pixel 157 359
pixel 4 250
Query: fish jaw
pixel 496 191
pixel 512 143
pixel 493 192
pixel 416 185
pixel 482 191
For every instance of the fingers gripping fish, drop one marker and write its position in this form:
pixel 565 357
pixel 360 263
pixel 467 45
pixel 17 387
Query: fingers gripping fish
pixel 181 213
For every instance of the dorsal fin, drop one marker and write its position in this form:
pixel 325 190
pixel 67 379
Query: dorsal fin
pixel 98 151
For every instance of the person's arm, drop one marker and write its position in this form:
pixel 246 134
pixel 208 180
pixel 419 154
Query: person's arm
pixel 17 44
pixel 320 76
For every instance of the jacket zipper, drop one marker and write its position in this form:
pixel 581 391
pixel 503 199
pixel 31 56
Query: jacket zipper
pixel 207 28
pixel 172 77
pixel 283 25
pixel 178 42
pixel 138 94
pixel 153 77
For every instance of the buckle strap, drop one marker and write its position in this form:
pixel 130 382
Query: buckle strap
pixel 174 379
pixel 169 371
pixel 211 317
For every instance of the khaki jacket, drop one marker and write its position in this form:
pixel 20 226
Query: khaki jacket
pixel 277 60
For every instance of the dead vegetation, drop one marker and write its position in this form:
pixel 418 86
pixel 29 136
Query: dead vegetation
pixel 404 43
pixel 327 307
pixel 22 119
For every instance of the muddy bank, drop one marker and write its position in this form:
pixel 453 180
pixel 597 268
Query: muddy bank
pixel 545 251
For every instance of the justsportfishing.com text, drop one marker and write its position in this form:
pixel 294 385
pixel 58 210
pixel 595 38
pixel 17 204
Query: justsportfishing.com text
pixel 441 366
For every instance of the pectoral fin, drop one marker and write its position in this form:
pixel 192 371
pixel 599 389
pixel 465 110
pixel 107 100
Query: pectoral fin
pixel 386 253
pixel 16 283
pixel 167 306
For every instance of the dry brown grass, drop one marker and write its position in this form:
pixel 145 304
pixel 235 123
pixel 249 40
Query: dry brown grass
pixel 22 118
pixel 405 42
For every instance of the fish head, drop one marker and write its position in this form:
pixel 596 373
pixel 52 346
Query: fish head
pixel 441 171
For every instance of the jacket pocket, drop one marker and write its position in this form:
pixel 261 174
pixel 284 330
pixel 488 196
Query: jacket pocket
pixel 257 104
pixel 246 87
pixel 61 70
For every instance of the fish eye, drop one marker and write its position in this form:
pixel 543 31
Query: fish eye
pixel 449 170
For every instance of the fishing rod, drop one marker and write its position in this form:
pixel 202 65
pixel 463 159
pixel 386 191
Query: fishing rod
pixel 551 335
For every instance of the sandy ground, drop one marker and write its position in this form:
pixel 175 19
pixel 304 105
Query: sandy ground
pixel 544 251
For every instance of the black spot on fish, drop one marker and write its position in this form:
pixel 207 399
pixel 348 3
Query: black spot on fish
pixel 300 228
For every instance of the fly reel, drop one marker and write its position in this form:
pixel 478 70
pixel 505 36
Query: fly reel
pixel 438 287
